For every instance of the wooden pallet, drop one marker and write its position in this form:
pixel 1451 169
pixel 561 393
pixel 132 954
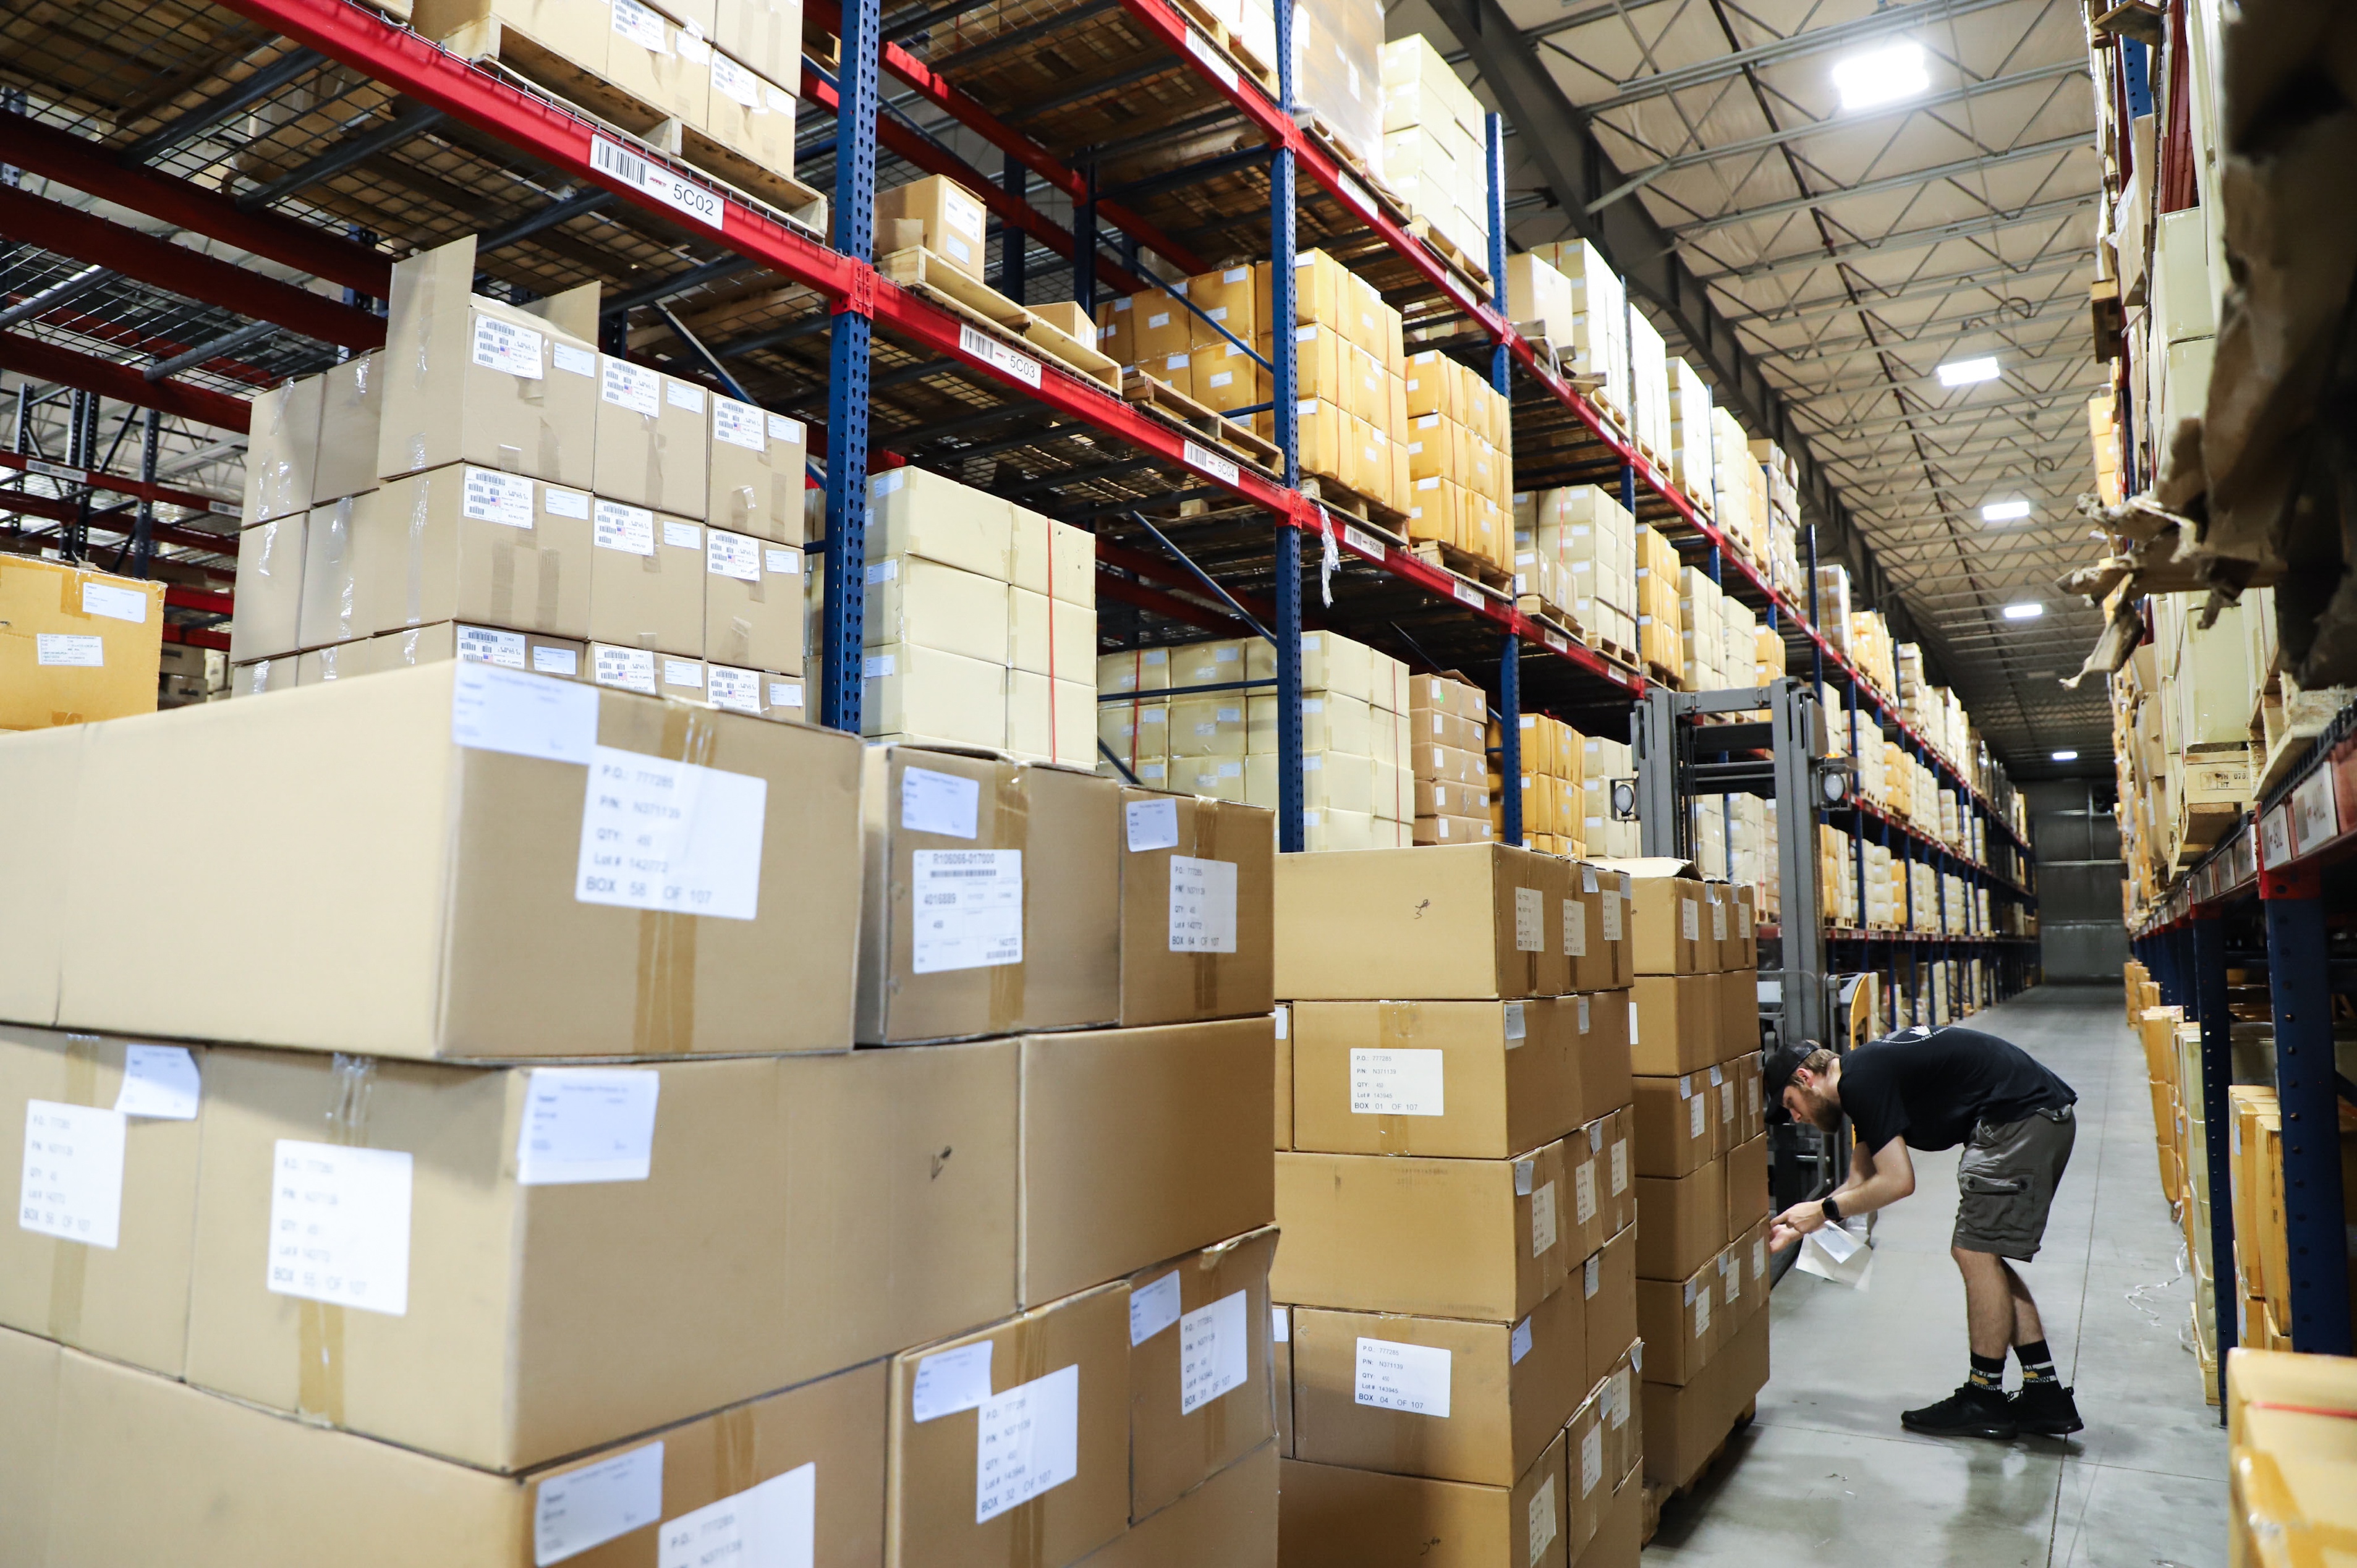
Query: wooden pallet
pixel 1231 44
pixel 1626 657
pixel 1465 563
pixel 1336 496
pixel 1660 1494
pixel 1555 617
pixel 1474 271
pixel 1158 397
pixel 921 272
pixel 1663 674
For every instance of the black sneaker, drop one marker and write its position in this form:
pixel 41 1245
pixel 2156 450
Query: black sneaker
pixel 1970 1411
pixel 2047 1409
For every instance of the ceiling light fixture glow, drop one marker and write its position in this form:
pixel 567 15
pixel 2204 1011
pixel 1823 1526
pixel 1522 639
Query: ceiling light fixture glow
pixel 1878 77
pixel 2005 512
pixel 2028 610
pixel 1964 372
pixel 2066 757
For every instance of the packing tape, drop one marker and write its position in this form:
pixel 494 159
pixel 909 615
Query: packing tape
pixel 70 593
pixel 319 1325
pixel 1027 1545
pixel 340 562
pixel 504 576
pixel 550 602
pixel 743 517
pixel 70 1270
pixel 1011 826
pixel 1207 964
pixel 413 590
pixel 551 441
pixel 736 1452
pixel 663 1018
pixel 655 444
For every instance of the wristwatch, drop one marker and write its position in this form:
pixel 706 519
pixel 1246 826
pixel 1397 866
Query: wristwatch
pixel 1831 1210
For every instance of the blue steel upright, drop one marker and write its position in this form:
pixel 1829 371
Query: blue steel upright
pixel 844 629
pixel 2315 1243
pixel 1502 380
pixel 2209 943
pixel 1290 837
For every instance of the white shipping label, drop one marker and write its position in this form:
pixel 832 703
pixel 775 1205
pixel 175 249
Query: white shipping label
pixel 1282 1016
pixel 1717 918
pixel 682 535
pixel 630 669
pixel 1396 1082
pixel 1592 1275
pixel 1694 1116
pixel 1541 1523
pixel 940 803
pixel 1689 920
pixel 73 1172
pixel 787 562
pixel 572 360
pixel 732 555
pixel 1280 1326
pixel 733 82
pixel 1702 1312
pixel 1026 1442
pixel 1583 1191
pixel 1632 1023
pixel 1611 912
pixel 1411 1377
pixel 113 603
pixel 624 384
pixel 1517 1023
pixel 1591 1459
pixel 684 395
pixel 525 716
pixel 963 213
pixel 1152 1308
pixel 1214 1355
pixel 738 691
pixel 487 645
pixel 1152 825
pixel 966 909
pixel 659 834
pixel 625 528
pixel 562 503
pixel 641 26
pixel 1588 879
pixel 1620 1168
pixel 595 1504
pixel 158 1081
pixel 488 495
pixel 1583 1015
pixel 1529 920
pixel 339 1225
pixel 1759 1259
pixel 1727 1102
pixel 1518 1343
pixel 950 1381
pixel 1202 904
pixel 69 648
pixel 586 1125
pixel 1543 1218
pixel 1617 1413
pixel 506 347
pixel 737 424
pixel 784 429
pixel 1574 930
pixel 785 693
pixel 773 1525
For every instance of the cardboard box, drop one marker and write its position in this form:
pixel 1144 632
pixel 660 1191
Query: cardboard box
pixel 476 1232
pixel 1726 1107
pixel 352 408
pixel 646 580
pixel 472 544
pixel 765 34
pixel 1598 945
pixel 1199 1369
pixel 455 907
pixel 1744 1366
pixel 944 217
pixel 1464 922
pixel 919 694
pixel 330 611
pixel 1605 1084
pixel 1738 1014
pixel 1436 1397
pixel 1282 1016
pixel 1590 1487
pixel 1334 1517
pixel 1049 636
pixel 76 645
pixel 751 115
pixel 1673 1023
pixel 758 471
pixel 753 602
pixel 1621 1533
pixel 269 590
pixel 1196 928
pixel 908 599
pixel 1667 927
pixel 1677 1125
pixel 1608 1282
pixel 914 511
pixel 472 381
pixel 99 1256
pixel 282 450
pixel 1473 1080
pixel 1050 720
pixel 1446 1238
pixel 1681 1324
pixel 1747 1185
pixel 1681 1221
pixel 659 65
pixel 1230 1519
pixel 1139 1144
pixel 1015 871
pixel 968 1487
pixel 650 437
pixel 278 1493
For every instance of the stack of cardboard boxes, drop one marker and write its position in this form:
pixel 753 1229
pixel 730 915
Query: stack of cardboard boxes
pixel 314 1223
pixel 1661 642
pixel 1741 505
pixel 1701 1163
pixel 1702 631
pixel 76 643
pixel 1650 417
pixel 1606 760
pixel 492 488
pixel 1448 729
pixel 1692 452
pixel 1565 294
pixel 980 622
pixel 1460 457
pixel 1453 1187
pixel 1555 798
pixel 1436 147
pixel 1575 548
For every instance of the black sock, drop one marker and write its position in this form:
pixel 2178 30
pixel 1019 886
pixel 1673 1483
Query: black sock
pixel 1988 1372
pixel 2037 1361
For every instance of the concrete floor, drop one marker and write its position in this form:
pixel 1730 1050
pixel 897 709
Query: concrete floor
pixel 1826 1475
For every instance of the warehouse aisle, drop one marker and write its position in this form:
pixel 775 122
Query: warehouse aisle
pixel 1826 1475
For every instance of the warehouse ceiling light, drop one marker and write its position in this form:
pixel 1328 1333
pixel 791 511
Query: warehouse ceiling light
pixel 1876 76
pixel 2005 512
pixel 2066 757
pixel 2030 610
pixel 1964 372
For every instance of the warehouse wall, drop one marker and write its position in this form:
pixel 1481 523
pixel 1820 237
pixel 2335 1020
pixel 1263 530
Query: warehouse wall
pixel 2079 875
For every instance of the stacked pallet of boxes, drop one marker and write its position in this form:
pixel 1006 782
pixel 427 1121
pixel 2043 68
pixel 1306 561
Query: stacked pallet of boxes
pixel 1454 1191
pixel 1741 487
pixel 1460 441
pixel 1447 728
pixel 1553 787
pixel 1702 632
pixel 2103 432
pixel 1781 479
pixel 1575 549
pixel 1692 457
pixel 77 644
pixel 1567 295
pixel 1607 761
pixel 492 488
pixel 1837 877
pixel 1701 1163
pixel 1436 148
pixel 994 1296
pixel 1661 643
pixel 1833 604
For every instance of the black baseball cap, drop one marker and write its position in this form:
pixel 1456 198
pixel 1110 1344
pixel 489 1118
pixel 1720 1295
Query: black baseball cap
pixel 1783 1061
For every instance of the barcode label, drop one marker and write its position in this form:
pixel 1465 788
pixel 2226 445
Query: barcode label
pixel 1552 641
pixel 1203 458
pixel 1200 48
pixel 1466 594
pixel 618 162
pixel 999 357
pixel 54 470
pixel 1366 544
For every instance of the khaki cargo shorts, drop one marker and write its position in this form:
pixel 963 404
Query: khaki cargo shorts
pixel 2007 1183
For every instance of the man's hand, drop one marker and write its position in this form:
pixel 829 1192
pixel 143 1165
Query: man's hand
pixel 1794 1223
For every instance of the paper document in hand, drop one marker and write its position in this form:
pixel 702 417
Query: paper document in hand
pixel 1834 1253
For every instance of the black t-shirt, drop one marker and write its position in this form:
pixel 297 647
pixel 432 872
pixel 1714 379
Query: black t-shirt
pixel 1932 1086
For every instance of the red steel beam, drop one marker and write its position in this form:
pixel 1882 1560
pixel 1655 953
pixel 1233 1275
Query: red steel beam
pixel 50 363
pixel 76 161
pixel 196 636
pixel 57 511
pixel 120 484
pixel 86 237
pixel 1169 605
pixel 933 158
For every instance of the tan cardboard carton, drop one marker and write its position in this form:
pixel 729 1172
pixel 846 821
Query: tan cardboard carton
pixel 759 471
pixel 282 451
pixel 105 1131
pixel 1607 1282
pixel 330 610
pixel 1467 921
pixel 1681 1221
pixel 1281 1374
pixel 1673 1023
pixel 1665 927
pixel 1472 1080
pixel 1051 637
pixel 559 656
pixel 1283 1019
pixel 1738 1014
pixel 269 590
pixel 1336 1517
pixel 1725 1108
pixel 1230 1519
pixel 659 65
pixel 1747 1185
pixel 1677 1125
pixel 1050 720
pixel 765 34
pixel 941 215
pixel 452 801
pixel 966 1485
pixel 910 598
pixel 750 115
pixel 1747 1367
pixel 753 602
pixel 1197 909
pixel 1619 1166
pixel 351 407
pixel 1199 1369
pixel 1681 1324
pixel 1597 946
pixel 646 580
pixel 1602 1046
pixel 1139 1144
pixel 651 442
pixel 799 1471
pixel 1587 1468
pixel 1474 1239
pixel 472 544
pixel 993 897
pixel 76 644
pixel 756 691
pixel 1437 1397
